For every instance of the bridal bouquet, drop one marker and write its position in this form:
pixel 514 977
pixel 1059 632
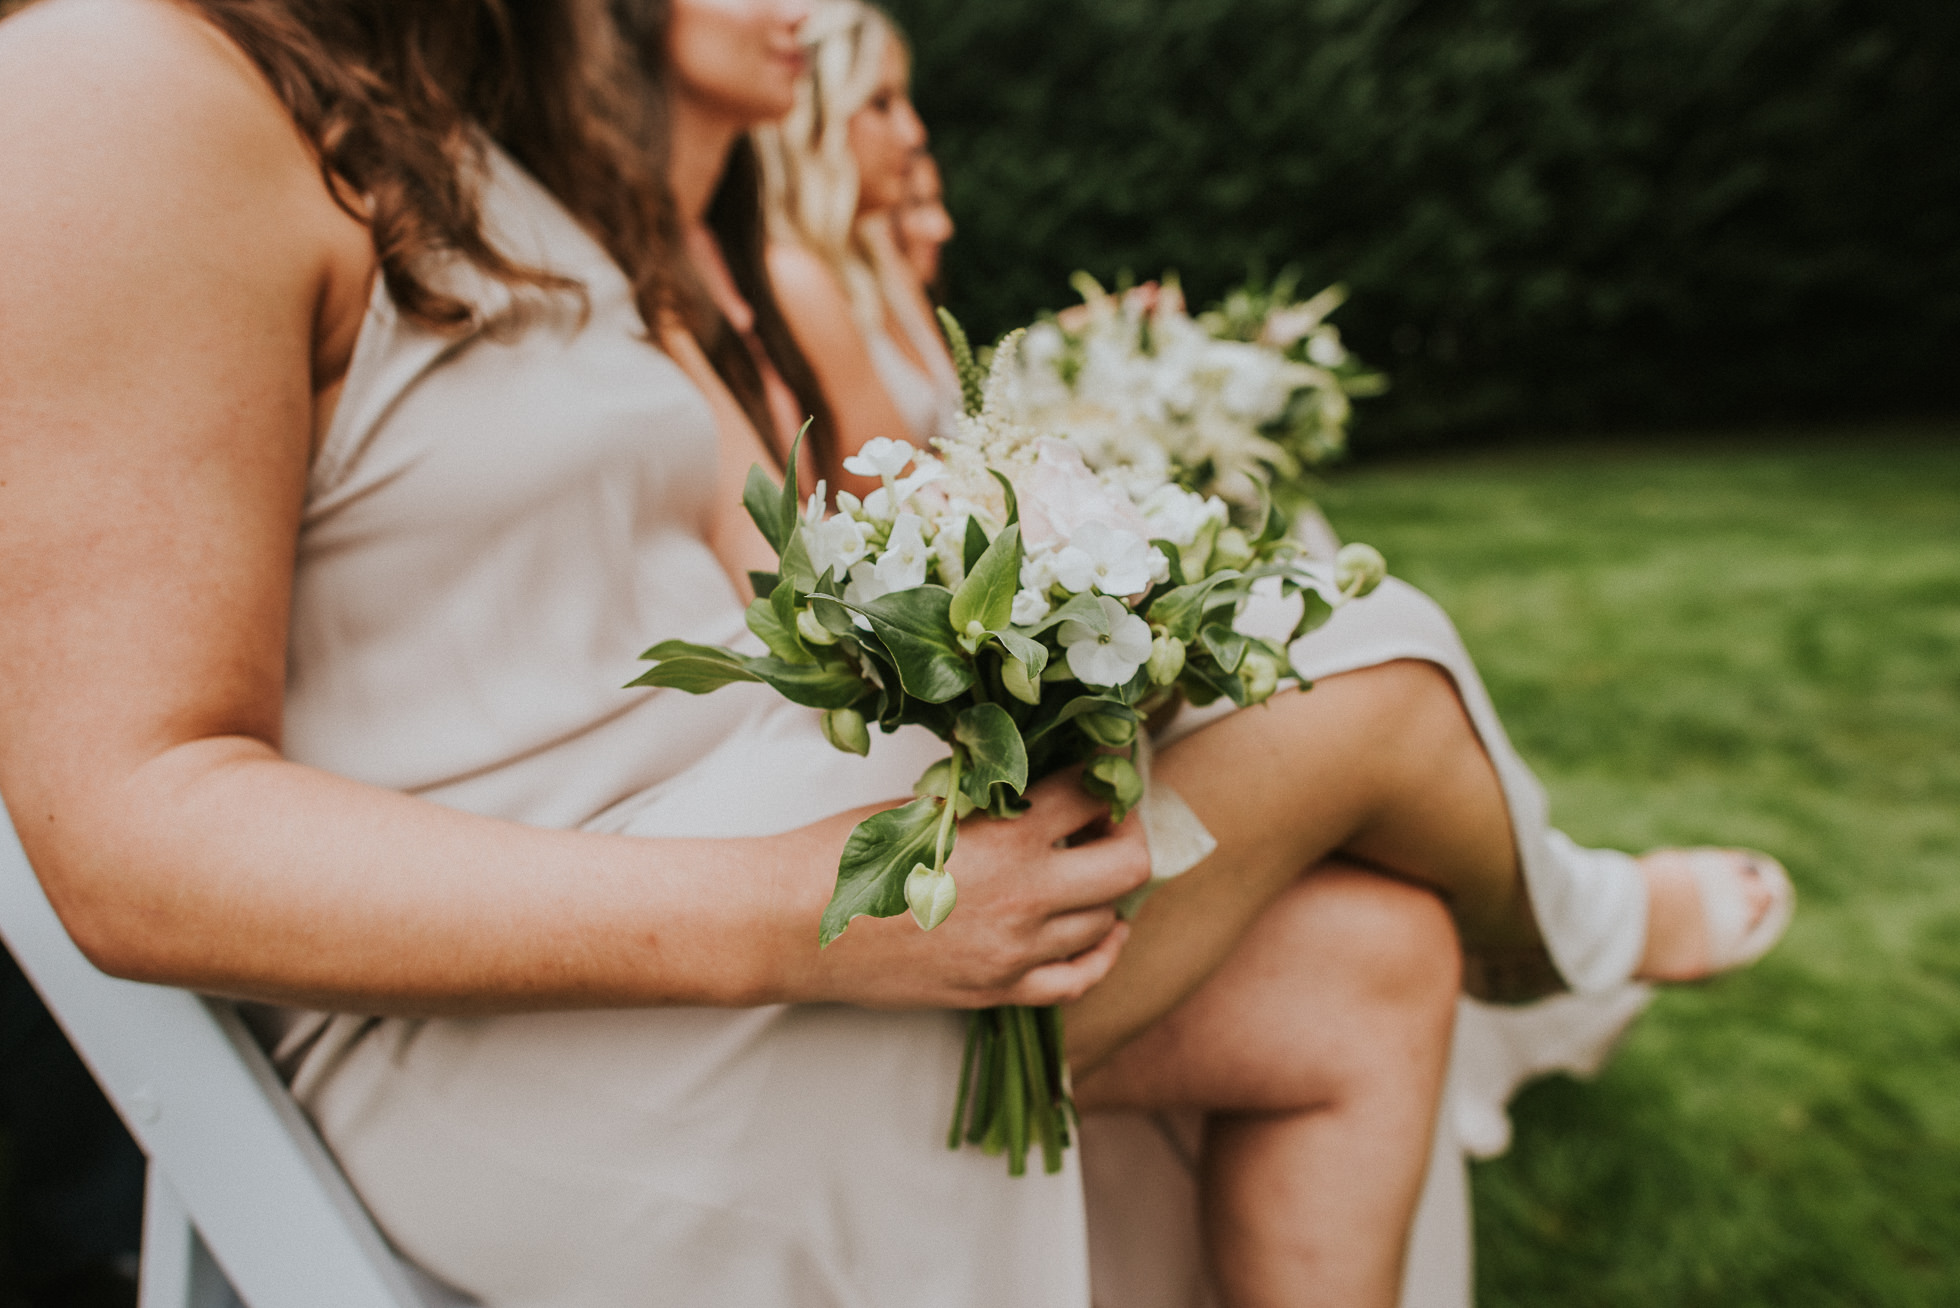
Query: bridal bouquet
pixel 1238 401
pixel 1029 613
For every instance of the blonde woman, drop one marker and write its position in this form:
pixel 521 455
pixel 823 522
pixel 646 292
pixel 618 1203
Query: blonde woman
pixel 836 171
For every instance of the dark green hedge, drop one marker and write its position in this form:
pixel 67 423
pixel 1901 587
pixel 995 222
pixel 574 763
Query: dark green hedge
pixel 1553 213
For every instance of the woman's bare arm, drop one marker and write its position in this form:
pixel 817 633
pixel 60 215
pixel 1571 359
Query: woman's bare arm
pixel 818 310
pixel 172 256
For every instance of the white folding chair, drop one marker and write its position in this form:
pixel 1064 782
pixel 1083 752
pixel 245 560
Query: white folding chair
pixel 244 1203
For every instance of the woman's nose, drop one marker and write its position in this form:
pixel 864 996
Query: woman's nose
pixel 911 128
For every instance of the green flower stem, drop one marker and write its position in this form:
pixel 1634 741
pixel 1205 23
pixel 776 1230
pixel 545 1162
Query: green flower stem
pixel 1015 1104
pixel 967 1070
pixel 946 815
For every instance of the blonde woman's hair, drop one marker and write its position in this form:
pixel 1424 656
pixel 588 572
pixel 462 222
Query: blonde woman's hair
pixel 810 178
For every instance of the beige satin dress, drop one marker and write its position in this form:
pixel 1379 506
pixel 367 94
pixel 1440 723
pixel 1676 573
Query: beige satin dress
pixel 496 526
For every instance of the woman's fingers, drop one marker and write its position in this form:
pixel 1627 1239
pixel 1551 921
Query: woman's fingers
pixel 1061 807
pixel 1068 934
pixel 1068 980
pixel 1101 871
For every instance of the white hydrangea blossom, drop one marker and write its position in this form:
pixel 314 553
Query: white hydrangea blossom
pixel 1150 394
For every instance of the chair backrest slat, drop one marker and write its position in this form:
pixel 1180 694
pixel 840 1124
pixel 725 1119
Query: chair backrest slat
pixel 206 1106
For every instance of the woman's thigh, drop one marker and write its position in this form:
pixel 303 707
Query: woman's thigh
pixel 1344 973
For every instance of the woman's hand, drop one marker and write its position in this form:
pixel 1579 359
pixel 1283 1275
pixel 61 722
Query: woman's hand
pixel 1034 925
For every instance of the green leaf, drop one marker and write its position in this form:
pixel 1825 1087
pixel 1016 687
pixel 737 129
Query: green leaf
pixel 1314 612
pixel 797 569
pixel 764 499
pixel 1114 778
pixel 1007 488
pixel 877 858
pixel 1181 611
pixel 914 627
pixel 1080 608
pixel 782 603
pixel 1226 646
pixel 696 669
pixel 767 624
pixel 813 685
pixel 1214 682
pixel 1031 652
pixel 994 750
pixel 834 616
pixel 791 492
pixel 1076 707
pixel 987 594
pixel 975 544
pixel 764 583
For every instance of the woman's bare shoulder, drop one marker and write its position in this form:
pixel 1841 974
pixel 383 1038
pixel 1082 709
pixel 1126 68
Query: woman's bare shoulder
pixel 801 276
pixel 95 88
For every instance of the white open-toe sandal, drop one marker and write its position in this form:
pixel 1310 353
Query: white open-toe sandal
pixel 1733 940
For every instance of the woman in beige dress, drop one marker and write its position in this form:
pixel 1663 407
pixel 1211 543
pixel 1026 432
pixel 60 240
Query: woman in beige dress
pixel 1594 921
pixel 339 485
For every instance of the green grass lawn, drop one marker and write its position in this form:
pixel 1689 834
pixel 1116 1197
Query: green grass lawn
pixel 1753 642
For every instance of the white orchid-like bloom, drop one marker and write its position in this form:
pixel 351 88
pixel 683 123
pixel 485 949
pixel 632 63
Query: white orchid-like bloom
pixel 881 457
pixel 1099 660
pixel 1030 607
pixel 903 564
pixel 863 588
pixel 813 507
pixel 1119 561
pixel 835 544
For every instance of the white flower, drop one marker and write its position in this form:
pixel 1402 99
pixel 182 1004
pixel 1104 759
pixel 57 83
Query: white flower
pixel 1099 660
pixel 903 564
pixel 813 511
pixel 1072 569
pixel 1160 567
pixel 863 588
pixel 927 471
pixel 1325 349
pixel 949 548
pixel 1178 515
pixel 1038 570
pixel 1059 494
pixel 881 505
pixel 881 457
pixel 835 544
pixel 1030 607
pixel 1119 561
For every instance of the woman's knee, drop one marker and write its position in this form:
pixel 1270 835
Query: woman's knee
pixel 1394 944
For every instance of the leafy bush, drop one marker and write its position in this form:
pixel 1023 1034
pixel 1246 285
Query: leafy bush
pixel 1552 212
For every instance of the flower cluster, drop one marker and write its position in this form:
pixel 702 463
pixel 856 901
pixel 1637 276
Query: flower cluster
pixel 1239 401
pixel 1032 612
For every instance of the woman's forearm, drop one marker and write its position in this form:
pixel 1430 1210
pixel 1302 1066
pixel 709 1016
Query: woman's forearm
pixel 219 866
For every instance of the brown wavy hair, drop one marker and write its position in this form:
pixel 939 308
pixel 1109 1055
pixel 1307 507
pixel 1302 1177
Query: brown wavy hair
pixel 735 217
pixel 392 94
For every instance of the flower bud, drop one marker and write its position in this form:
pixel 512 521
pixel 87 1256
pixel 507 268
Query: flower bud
pixel 1108 729
pixel 1014 676
pixel 813 631
pixel 845 729
pixel 1259 674
pixel 1166 659
pixel 1232 550
pixel 930 895
pixel 1358 569
pixel 1115 779
pixel 932 784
